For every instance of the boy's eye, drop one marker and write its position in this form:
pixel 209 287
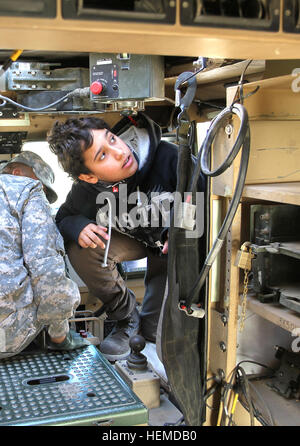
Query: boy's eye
pixel 112 138
pixel 102 156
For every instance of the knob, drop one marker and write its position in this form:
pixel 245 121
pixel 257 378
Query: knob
pixel 96 87
pixel 136 360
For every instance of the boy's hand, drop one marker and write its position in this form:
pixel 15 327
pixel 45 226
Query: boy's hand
pixel 88 237
pixel 165 247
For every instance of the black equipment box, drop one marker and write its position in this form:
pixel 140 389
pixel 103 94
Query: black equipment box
pixel 275 234
pixel 274 223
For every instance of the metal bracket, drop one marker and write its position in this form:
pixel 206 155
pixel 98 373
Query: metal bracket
pixel 194 311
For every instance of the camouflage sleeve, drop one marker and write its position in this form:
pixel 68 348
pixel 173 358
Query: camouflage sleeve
pixel 55 295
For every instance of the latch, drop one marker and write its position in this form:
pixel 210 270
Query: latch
pixel 195 310
pixel 244 260
pixel 244 257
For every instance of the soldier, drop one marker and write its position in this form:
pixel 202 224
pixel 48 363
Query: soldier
pixel 34 290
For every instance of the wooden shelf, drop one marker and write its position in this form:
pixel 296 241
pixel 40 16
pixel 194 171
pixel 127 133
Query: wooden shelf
pixel 276 313
pixel 285 412
pixel 288 193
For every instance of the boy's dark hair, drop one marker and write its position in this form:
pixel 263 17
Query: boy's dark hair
pixel 69 140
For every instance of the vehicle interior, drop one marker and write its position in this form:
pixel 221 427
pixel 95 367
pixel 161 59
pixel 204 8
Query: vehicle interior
pixel 222 80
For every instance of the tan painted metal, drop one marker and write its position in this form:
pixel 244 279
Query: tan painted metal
pixel 60 34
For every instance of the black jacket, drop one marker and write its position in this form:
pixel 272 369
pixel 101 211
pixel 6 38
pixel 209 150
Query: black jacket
pixel 156 174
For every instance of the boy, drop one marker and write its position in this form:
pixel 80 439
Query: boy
pixel 123 172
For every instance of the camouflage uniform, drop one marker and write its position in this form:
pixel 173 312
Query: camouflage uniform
pixel 34 290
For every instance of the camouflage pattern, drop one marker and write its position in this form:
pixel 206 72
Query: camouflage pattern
pixel 41 169
pixel 34 290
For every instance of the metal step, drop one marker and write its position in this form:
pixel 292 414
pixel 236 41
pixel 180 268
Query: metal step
pixel 79 387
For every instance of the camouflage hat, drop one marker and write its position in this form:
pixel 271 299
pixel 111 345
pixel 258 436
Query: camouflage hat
pixel 41 170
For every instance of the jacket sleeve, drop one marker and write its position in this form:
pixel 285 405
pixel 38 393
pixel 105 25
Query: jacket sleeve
pixel 69 220
pixel 55 296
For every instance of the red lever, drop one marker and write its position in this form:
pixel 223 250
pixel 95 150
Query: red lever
pixel 96 87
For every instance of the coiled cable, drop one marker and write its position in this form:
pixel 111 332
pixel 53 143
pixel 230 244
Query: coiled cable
pixel 242 141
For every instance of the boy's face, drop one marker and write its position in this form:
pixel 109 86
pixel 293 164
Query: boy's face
pixel 108 159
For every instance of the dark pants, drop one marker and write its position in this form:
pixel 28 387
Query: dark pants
pixel 108 285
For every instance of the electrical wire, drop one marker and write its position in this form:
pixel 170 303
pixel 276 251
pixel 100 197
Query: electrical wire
pixel 264 403
pixel 239 380
pixel 24 107
pixel 190 77
pixel 247 393
pixel 12 58
pixel 242 142
pixel 235 400
pixel 256 363
pixel 81 92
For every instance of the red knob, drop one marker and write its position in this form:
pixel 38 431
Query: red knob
pixel 96 87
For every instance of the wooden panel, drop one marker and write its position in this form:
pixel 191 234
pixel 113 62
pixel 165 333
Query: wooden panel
pixel 274 117
pixel 277 97
pixel 288 193
pixel 218 335
pixel 274 152
pixel 284 412
pixel 283 317
pixel 144 38
pixel 227 333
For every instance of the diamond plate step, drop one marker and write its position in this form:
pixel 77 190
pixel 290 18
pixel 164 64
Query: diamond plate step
pixel 66 388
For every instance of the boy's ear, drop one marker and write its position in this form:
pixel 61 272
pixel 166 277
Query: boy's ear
pixel 88 178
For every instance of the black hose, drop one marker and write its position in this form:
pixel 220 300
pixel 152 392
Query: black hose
pixel 242 140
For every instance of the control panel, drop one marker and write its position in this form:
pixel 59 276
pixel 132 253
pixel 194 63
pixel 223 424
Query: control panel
pixel 126 80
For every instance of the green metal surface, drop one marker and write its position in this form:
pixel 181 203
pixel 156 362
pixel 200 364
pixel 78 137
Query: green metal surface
pixel 66 388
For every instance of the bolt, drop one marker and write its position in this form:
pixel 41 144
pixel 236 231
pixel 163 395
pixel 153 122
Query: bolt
pixel 222 346
pixel 172 4
pixel 228 129
pixel 185 4
pixel 224 319
pixel 221 374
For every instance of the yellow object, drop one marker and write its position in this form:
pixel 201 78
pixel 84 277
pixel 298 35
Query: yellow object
pixel 16 55
pixel 234 403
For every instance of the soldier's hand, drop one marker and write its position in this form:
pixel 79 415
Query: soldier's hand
pixel 71 341
pixel 88 237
